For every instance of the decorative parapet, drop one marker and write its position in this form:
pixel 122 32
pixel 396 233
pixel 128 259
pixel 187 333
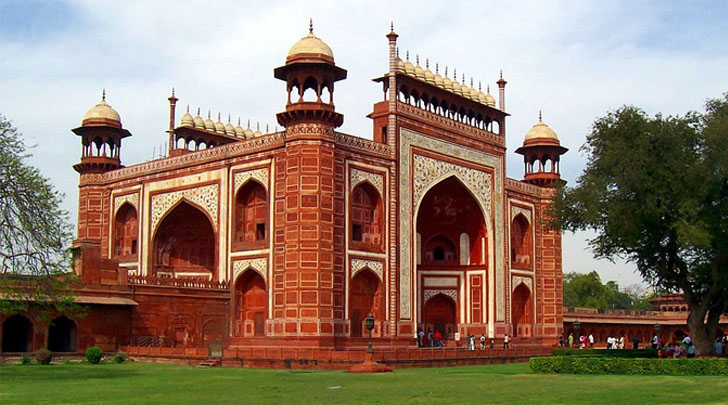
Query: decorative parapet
pixel 438 120
pixel 364 145
pixel 199 283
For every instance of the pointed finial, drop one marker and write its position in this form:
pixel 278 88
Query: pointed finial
pixel 445 70
pixel 501 73
pixel 248 122
pixel 471 81
pixel 455 74
pixel 480 86
pixel 407 54
pixel 238 121
pixel 398 52
pixel 463 80
pixel 310 25
pixel 488 89
pixel 418 58
pixel 188 108
pixel 172 91
pixel 266 128
pixel 539 115
pixel 208 114
pixel 437 67
pixel 218 116
pixel 257 126
pixel 391 26
pixel 198 111
pixel 103 95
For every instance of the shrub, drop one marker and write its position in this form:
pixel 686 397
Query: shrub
pixel 94 355
pixel 44 356
pixel 25 358
pixel 120 357
pixel 609 365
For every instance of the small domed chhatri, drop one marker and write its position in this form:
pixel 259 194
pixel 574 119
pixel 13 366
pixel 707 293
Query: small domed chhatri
pixel 310 47
pixel 540 132
pixel 102 114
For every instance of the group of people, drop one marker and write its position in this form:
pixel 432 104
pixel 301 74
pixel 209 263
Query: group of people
pixel 435 339
pixel 587 341
pixel 670 348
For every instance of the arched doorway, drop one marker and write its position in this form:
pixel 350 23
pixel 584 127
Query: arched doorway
pixel 62 335
pixel 125 232
pixel 453 246
pixel 521 311
pixel 17 334
pixel 440 314
pixel 251 217
pixel 250 304
pixel 364 299
pixel 184 244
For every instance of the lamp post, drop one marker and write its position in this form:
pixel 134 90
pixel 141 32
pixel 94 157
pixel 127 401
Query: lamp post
pixel 370 326
pixel 576 326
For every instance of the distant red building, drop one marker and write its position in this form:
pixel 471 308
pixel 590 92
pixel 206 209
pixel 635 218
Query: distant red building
pixel 292 238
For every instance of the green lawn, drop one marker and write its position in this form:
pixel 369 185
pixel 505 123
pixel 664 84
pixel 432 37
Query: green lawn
pixel 142 383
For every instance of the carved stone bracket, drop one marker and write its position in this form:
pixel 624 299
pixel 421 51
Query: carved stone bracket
pixel 258 264
pixel 520 210
pixel 375 266
pixel 205 196
pixel 257 174
pixel 428 170
pixel 357 176
pixel 522 280
pixel 132 199
pixel 431 293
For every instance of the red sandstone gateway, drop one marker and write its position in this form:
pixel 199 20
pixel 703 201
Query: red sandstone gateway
pixel 263 245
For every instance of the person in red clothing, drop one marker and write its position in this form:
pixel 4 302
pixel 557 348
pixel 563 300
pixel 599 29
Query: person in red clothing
pixel 438 338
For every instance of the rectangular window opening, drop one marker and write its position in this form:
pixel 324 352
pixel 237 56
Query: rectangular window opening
pixel 260 231
pixel 356 233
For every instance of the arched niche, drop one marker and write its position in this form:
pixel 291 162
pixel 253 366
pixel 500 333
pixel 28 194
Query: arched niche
pixel 366 231
pixel 250 230
pixel 520 242
pixel 184 244
pixel 126 232
pixel 62 335
pixel 365 297
pixel 440 314
pixel 17 334
pixel 250 304
pixel 521 312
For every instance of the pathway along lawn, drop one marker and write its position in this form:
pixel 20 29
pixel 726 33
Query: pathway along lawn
pixel 144 383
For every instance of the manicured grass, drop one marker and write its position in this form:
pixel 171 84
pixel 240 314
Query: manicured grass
pixel 143 383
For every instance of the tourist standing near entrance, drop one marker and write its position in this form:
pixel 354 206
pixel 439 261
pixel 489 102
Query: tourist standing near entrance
pixel 506 341
pixel 457 339
pixel 420 338
pixel 482 342
pixel 591 341
pixel 571 340
pixel 655 341
pixel 430 338
pixel 635 343
pixel 438 338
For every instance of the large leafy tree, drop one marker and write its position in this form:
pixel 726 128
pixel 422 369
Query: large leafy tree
pixel 586 290
pixel 34 233
pixel 655 190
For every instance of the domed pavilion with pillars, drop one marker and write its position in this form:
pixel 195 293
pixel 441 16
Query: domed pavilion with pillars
pixel 241 239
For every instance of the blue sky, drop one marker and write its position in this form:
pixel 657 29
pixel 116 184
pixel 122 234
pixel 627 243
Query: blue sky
pixel 573 60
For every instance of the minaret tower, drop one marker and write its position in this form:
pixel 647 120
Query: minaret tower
pixel 541 152
pixel 101 134
pixel 307 232
pixel 310 66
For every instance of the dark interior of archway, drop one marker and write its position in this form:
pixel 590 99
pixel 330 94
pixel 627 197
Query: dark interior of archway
pixel 520 308
pixel 125 231
pixel 446 211
pixel 62 335
pixel 520 242
pixel 440 314
pixel 250 304
pixel 364 299
pixel 17 334
pixel 251 217
pixel 185 243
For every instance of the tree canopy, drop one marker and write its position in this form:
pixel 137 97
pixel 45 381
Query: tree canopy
pixel 655 190
pixel 587 291
pixel 35 232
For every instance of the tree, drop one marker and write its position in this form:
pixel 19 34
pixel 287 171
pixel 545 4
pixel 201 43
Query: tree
pixel 655 190
pixel 587 291
pixel 34 233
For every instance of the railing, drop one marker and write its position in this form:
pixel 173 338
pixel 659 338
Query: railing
pixel 179 282
pixel 612 311
pixel 151 341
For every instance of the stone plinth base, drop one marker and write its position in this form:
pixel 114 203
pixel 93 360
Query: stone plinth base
pixel 369 366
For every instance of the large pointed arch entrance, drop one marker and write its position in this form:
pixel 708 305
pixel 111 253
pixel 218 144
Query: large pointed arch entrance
pixel 452 255
pixel 521 313
pixel 250 305
pixel 184 244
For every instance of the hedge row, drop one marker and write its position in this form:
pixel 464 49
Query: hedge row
pixel 625 353
pixel 609 365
